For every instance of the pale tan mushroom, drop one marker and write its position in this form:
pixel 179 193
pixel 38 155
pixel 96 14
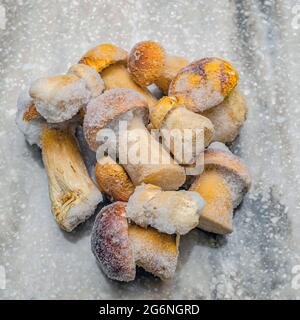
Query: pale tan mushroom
pixel 222 185
pixel 127 105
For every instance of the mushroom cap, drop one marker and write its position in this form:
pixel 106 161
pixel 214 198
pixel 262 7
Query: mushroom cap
pixel 109 106
pixel 204 84
pixel 59 98
pixel 113 180
pixel 104 55
pixel 92 78
pixel 111 245
pixel 161 109
pixel 228 116
pixel 29 123
pixel 235 171
pixel 146 62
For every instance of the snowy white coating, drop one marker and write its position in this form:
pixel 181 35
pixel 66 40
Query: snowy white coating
pixel 257 261
pixel 219 146
pixel 83 209
pixel 202 97
pixel 109 106
pixel 92 78
pixel 167 211
pixel 31 129
pixel 59 98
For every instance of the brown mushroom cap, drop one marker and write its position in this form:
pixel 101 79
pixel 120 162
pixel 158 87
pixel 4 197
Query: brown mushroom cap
pixel 204 84
pixel 146 62
pixel 111 244
pixel 109 106
pixel 104 55
pixel 113 180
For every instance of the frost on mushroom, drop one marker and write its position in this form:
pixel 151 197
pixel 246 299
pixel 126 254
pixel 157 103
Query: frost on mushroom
pixel 119 246
pixel 167 211
pixel 59 98
pixel 148 63
pixel 110 61
pixel 223 185
pixel 73 194
pixel 122 104
pixel 31 129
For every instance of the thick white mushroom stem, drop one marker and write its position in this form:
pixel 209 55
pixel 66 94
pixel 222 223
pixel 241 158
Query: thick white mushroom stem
pixel 117 76
pixel 148 161
pixel 167 211
pixel 186 134
pixel 74 197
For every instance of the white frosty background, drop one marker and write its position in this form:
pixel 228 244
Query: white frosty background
pixel 262 39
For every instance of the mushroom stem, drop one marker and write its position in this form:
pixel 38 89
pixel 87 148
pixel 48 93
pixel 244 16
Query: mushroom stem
pixel 167 211
pixel 74 197
pixel 151 163
pixel 117 76
pixel 171 67
pixel 155 252
pixel 217 214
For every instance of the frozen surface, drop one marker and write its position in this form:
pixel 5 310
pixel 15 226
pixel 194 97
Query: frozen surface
pixel 262 40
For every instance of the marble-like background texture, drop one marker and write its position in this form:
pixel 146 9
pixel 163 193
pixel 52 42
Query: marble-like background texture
pixel 260 260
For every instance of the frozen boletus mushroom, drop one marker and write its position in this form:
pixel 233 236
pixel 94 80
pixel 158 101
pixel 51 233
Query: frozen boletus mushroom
pixel 106 111
pixel 228 116
pixel 110 61
pixel 167 211
pixel 204 84
pixel 154 251
pixel 103 56
pixel 148 64
pixel 119 246
pixel 113 180
pixel 111 245
pixel 222 185
pixel 74 197
pixel 28 120
pixel 59 98
pixel 183 131
pixel 93 81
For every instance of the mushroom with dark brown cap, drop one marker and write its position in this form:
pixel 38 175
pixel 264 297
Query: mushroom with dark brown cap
pixel 110 61
pixel 205 83
pixel 119 246
pixel 222 185
pixel 148 64
pixel 123 104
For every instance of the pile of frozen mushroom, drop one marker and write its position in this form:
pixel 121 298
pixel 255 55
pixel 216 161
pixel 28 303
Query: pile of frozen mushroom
pixel 152 204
